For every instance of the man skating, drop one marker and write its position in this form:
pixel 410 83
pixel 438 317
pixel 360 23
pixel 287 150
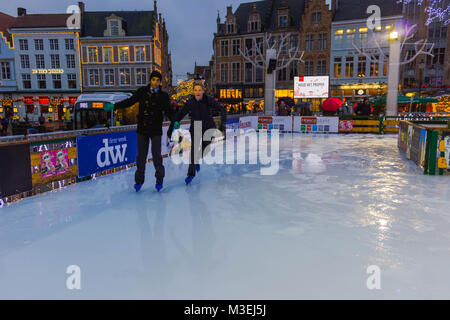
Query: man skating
pixel 153 105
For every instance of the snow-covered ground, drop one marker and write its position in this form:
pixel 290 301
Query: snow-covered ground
pixel 339 204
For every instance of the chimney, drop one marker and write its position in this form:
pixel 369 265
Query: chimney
pixel 81 6
pixel 229 10
pixel 21 12
pixel 334 5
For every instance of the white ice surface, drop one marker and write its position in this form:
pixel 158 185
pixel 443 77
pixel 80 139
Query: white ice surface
pixel 338 205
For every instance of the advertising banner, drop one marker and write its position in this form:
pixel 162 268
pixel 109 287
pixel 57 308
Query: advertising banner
pixel 54 163
pixel 15 170
pixel 246 123
pixel 103 152
pixel 311 87
pixel 275 123
pixel 447 151
pixel 345 125
pixel 316 124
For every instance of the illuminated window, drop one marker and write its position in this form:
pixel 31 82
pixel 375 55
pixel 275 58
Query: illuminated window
pixel 124 53
pixel 125 78
pixel 141 76
pixel 363 30
pixel 93 77
pixel 140 53
pixel 338 67
pixel 92 52
pixel 107 54
pixel 72 80
pixel 374 67
pixel 109 77
pixel 349 67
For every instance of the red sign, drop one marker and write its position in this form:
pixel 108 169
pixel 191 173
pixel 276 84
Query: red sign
pixel 44 101
pixel 309 120
pixel 265 120
pixel 72 100
pixel 28 100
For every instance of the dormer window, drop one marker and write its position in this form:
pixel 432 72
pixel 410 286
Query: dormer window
pixel 283 21
pixel 316 17
pixel 114 28
pixel 253 23
pixel 230 28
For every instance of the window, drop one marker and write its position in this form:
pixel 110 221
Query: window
pixel 349 67
pixel 282 21
pixel 72 80
pixel 439 56
pixel 321 67
pixel 230 28
pixel 124 53
pixel 56 81
pixel 93 77
pixel 248 72
pixel 224 72
pixel 338 67
pixel 40 62
pixel 23 44
pixel 282 74
pixel 374 67
pixel 283 46
pixel 114 28
pixel 125 78
pixel 236 46
pixel 249 47
pixel 24 61
pixel 6 71
pixel 54 59
pixel 224 48
pixel 42 81
pixel 294 40
pixel 141 76
pixel 107 54
pixel 38 44
pixel 309 42
pixel 236 71
pixel 254 24
pixel 316 16
pixel 323 41
pixel 293 70
pixel 361 66
pixel 54 45
pixel 69 44
pixel 351 33
pixel 260 44
pixel 109 77
pixel 338 34
pixel 309 68
pixel 140 53
pixel 92 53
pixel 259 73
pixel 70 58
pixel 26 81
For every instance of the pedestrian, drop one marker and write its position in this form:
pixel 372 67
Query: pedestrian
pixel 154 103
pixel 282 109
pixel 5 124
pixel 200 107
pixel 363 108
pixel 41 127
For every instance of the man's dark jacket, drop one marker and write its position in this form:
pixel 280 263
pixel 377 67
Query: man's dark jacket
pixel 363 109
pixel 152 108
pixel 203 110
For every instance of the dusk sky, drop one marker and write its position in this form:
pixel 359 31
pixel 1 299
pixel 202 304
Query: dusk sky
pixel 190 24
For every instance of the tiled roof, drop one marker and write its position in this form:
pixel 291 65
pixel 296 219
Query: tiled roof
pixel 5 23
pixel 137 23
pixel 41 21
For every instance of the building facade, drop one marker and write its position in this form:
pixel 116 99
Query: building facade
pixel 359 54
pixel 120 49
pixel 305 24
pixel 47 65
pixel 427 75
pixel 8 84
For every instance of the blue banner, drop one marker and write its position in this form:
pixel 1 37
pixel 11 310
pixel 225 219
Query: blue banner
pixel 103 152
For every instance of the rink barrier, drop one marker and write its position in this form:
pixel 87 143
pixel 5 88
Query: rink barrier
pixel 427 144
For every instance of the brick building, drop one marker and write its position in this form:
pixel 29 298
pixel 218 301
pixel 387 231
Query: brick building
pixel 307 21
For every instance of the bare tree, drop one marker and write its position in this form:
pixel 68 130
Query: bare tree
pixel 283 58
pixel 420 47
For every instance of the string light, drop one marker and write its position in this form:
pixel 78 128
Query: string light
pixel 434 9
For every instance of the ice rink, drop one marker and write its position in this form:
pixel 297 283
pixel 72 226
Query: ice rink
pixel 338 205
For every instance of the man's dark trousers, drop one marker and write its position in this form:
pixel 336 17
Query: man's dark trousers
pixel 143 144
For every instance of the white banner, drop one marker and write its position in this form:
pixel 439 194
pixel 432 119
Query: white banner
pixel 311 87
pixel 316 124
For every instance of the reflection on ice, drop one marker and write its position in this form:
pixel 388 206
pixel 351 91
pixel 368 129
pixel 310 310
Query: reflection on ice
pixel 337 205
